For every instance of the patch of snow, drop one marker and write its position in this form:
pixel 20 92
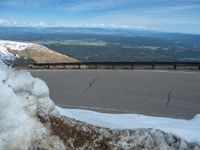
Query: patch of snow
pixel 22 98
pixel 18 46
pixel 186 129
pixel 5 46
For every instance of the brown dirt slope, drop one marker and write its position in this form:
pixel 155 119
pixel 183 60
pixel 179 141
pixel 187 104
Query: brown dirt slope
pixel 42 54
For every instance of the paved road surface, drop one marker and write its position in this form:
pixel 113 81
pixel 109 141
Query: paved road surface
pixel 159 93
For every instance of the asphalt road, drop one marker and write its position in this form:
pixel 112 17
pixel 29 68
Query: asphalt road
pixel 158 93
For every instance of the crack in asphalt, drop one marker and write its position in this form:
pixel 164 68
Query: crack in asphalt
pixel 168 99
pixel 91 84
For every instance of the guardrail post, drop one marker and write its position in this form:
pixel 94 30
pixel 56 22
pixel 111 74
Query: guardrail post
pixel 153 65
pixel 199 67
pixel 48 66
pixel 64 66
pixel 79 66
pixel 174 66
pixel 132 66
pixel 113 66
pixel 95 66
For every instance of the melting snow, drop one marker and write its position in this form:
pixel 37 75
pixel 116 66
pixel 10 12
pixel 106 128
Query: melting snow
pixel 14 45
pixel 186 129
pixel 21 98
pixel 5 46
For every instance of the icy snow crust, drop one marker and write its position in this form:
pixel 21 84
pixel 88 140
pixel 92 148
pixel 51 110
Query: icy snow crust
pixel 22 97
pixel 5 46
pixel 186 129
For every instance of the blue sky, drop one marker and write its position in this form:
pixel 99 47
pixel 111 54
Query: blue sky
pixel 159 15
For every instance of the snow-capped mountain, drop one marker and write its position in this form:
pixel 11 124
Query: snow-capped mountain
pixel 22 52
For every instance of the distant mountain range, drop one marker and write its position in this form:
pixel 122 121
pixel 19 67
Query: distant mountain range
pixel 108 44
pixel 30 33
pixel 87 30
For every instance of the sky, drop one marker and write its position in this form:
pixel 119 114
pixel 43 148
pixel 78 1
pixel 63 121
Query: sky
pixel 159 15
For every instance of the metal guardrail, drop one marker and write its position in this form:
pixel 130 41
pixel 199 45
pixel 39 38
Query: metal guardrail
pixel 113 65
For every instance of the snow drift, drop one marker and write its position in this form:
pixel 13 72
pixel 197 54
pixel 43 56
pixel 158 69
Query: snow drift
pixel 29 121
pixel 186 129
pixel 22 98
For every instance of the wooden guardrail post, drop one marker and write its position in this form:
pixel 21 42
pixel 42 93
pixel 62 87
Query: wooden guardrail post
pixel 132 66
pixel 175 66
pixel 113 66
pixel 96 66
pixel 153 65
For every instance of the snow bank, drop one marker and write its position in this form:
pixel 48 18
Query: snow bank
pixel 5 46
pixel 22 98
pixel 186 129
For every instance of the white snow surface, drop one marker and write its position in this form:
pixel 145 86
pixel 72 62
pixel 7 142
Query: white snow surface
pixel 21 98
pixel 186 129
pixel 5 46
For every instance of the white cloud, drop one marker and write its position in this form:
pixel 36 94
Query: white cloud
pixel 103 25
pixel 89 25
pixel 3 21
